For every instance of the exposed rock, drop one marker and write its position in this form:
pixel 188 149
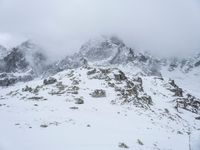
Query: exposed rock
pixel 197 118
pixel 111 84
pixel 43 125
pixel 176 89
pixel 197 64
pixel 7 81
pixel 140 142
pixel 74 108
pixel 120 76
pixel 190 103
pixel 172 83
pixel 50 80
pixel 36 90
pixel 147 99
pixel 27 89
pixel 79 101
pixel 88 125
pixel 90 72
pixel 99 93
pixel 179 132
pixel 123 145
pixel 73 92
pixel 36 98
pixel 105 71
pixel 178 92
pixel 60 86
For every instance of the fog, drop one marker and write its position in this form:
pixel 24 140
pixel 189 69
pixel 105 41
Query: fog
pixel 61 26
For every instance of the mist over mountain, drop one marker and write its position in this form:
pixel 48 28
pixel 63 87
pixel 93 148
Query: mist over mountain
pixel 99 75
pixel 160 27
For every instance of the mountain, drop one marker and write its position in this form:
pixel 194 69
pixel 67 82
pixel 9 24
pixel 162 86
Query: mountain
pixel 22 63
pixel 105 96
pixel 103 51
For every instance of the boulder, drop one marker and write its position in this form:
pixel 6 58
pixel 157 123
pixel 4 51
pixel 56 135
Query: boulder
pixel 50 80
pixel 79 101
pixel 99 93
pixel 93 71
pixel 27 89
pixel 120 76
pixel 123 145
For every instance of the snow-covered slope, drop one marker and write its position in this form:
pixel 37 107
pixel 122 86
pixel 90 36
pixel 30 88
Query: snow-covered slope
pixel 96 108
pixel 186 72
pixel 105 97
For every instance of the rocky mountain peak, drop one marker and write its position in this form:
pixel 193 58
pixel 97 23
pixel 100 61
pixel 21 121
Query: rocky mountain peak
pixel 101 48
pixel 22 63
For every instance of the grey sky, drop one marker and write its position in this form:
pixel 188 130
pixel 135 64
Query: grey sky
pixel 61 26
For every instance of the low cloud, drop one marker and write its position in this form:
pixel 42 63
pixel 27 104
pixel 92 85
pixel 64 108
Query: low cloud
pixel 61 26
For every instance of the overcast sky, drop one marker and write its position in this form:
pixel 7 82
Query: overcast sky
pixel 61 26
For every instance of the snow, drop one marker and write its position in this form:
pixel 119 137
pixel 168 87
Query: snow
pixel 97 124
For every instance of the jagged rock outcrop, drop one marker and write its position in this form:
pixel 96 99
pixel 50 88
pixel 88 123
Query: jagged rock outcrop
pixel 26 60
pixel 190 103
pixel 129 91
pixel 113 51
pixel 183 99
pixel 176 89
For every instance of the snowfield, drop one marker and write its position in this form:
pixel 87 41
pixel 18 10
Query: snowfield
pixel 65 116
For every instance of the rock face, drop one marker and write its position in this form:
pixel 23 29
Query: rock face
pixel 177 90
pixel 15 61
pixel 27 56
pixel 184 100
pixel 190 103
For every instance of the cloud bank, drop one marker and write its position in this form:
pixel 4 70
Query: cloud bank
pixel 61 26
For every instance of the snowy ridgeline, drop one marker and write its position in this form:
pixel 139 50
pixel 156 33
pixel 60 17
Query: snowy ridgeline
pixel 97 108
pixel 106 97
